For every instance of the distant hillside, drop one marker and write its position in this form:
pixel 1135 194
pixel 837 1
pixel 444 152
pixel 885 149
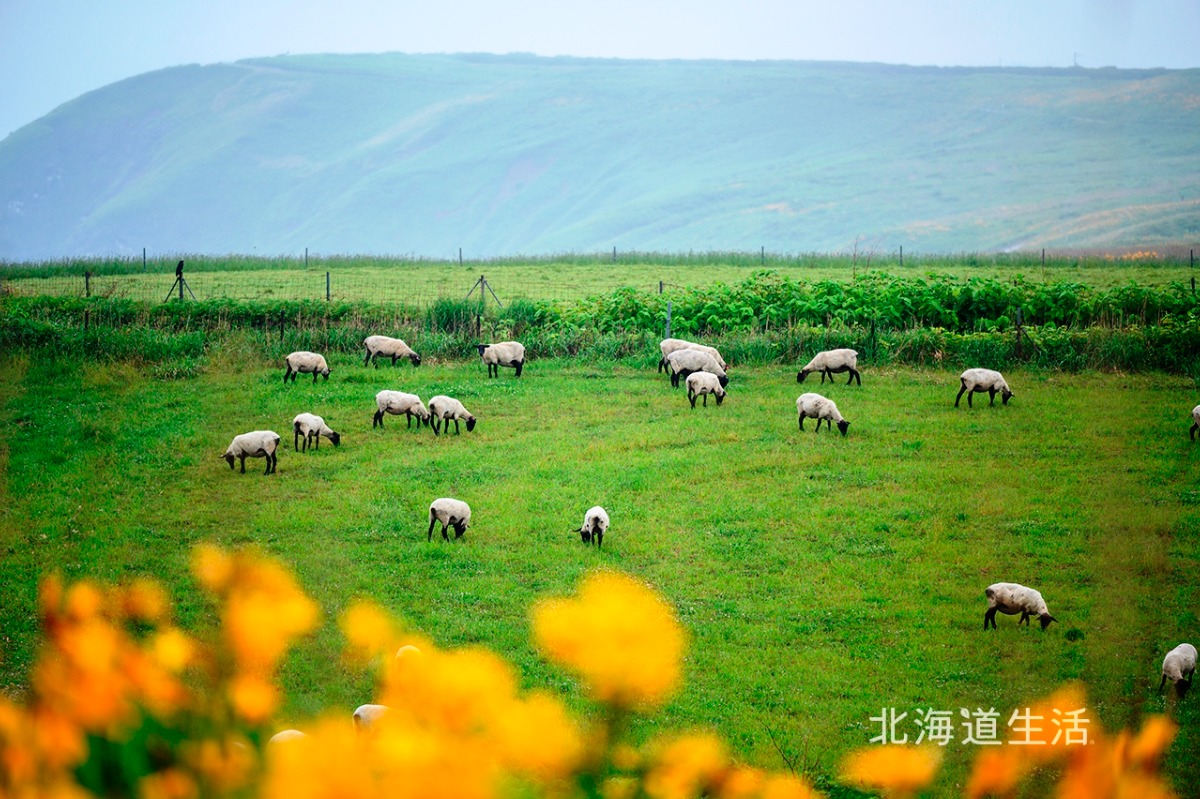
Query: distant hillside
pixel 421 155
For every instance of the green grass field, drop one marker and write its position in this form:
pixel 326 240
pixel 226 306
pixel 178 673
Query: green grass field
pixel 568 277
pixel 820 579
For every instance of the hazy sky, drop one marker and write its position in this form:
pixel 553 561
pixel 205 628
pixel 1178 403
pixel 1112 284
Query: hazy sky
pixel 54 50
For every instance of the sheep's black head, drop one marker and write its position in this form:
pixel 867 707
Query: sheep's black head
pixel 801 375
pixel 460 527
pixel 1181 688
pixel 481 348
pixel 843 426
pixel 228 459
pixel 1045 619
pixel 586 534
pixel 336 438
pixel 1005 395
pixel 416 359
pixel 471 424
pixel 720 397
pixel 723 380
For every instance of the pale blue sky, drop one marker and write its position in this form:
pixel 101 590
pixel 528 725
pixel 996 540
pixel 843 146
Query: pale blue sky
pixel 54 50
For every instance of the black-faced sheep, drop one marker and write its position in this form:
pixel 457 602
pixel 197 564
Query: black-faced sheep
pixel 396 403
pixel 450 513
pixel 988 380
pixel 701 384
pixel 504 353
pixel 258 444
pixel 595 524
pixel 1013 598
pixel 305 362
pixel 831 362
pixel 388 347
pixel 682 363
pixel 442 409
pixel 312 427
pixel 1178 667
pixel 822 409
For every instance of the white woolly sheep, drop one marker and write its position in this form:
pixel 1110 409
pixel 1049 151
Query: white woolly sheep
pixel 408 650
pixel 367 716
pixel 1195 422
pixel 504 353
pixel 822 409
pixel 396 403
pixel 283 736
pixel 451 513
pixel 1178 667
pixel 388 347
pixel 831 362
pixel 1013 598
pixel 595 524
pixel 305 362
pixel 258 444
pixel 683 362
pixel 312 427
pixel 701 384
pixel 988 380
pixel 669 345
pixel 442 409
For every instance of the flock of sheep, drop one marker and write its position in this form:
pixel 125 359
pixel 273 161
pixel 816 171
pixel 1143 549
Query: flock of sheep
pixel 703 371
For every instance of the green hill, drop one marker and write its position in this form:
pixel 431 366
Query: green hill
pixel 400 154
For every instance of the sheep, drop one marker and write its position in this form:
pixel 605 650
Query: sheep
pixel 595 524
pixel 821 409
pixel 683 362
pixel 367 716
pixel 258 444
pixel 312 427
pixel 451 513
pixel 284 736
pixel 1195 422
pixel 396 403
pixel 408 650
pixel 305 362
pixel 669 345
pixel 1178 666
pixel 703 384
pixel 983 380
pixel 831 362
pixel 1011 599
pixel 505 353
pixel 388 347
pixel 443 409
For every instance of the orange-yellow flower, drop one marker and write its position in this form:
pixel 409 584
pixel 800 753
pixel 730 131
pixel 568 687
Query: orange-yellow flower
pixel 618 635
pixel 213 567
pixel 687 766
pixel 894 769
pixel 370 632
pixel 996 772
pixel 538 738
pixel 253 698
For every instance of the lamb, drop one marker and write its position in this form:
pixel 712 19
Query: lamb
pixel 505 353
pixel 703 384
pixel 258 444
pixel 821 409
pixel 1011 599
pixel 983 380
pixel 367 716
pixel 396 403
pixel 305 362
pixel 683 362
pixel 451 513
pixel 283 736
pixel 1178 666
pixel 669 345
pixel 443 409
pixel 831 362
pixel 595 524
pixel 312 427
pixel 1195 422
pixel 388 347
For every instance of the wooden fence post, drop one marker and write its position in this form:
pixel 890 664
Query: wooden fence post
pixel 326 287
pixel 87 284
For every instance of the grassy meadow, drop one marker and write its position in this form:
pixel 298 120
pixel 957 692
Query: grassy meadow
pixel 820 578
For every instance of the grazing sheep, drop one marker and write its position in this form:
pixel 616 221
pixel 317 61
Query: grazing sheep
pixel 305 362
pixel 388 347
pixel 703 384
pixel 408 650
pixel 983 380
pixel 595 524
pixel 831 362
pixel 669 345
pixel 283 736
pixel 683 362
pixel 1178 667
pixel 1195 422
pixel 821 409
pixel 396 403
pixel 505 353
pixel 312 427
pixel 443 409
pixel 258 444
pixel 367 716
pixel 1011 599
pixel 451 513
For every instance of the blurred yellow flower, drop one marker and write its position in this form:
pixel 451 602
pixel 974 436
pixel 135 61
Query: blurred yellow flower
pixel 370 632
pixel 168 784
pixel 253 698
pixel 996 772
pixel 618 635
pixel 145 600
pixel 1156 735
pixel 894 769
pixel 212 566
pixel 539 739
pixel 687 766
pixel 173 649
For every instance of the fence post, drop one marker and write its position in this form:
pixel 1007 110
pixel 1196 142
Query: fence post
pixel 667 334
pixel 614 254
pixel 87 284
pixel 281 327
pixel 874 341
pixel 87 318
pixel 306 258
pixel 660 286
pixel 762 256
pixel 460 256
pixel 326 287
pixel 1020 330
pixel 143 259
pixel 902 255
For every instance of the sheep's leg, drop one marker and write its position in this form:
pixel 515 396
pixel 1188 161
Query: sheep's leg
pixel 316 440
pixel 970 395
pixel 243 461
pixel 854 373
pixel 850 380
pixel 296 437
pixel 445 537
pixel 1024 618
pixel 1195 427
pixel 599 536
pixel 661 363
pixel 288 373
pixel 692 399
pixel 519 366
pixel 801 421
pixel 367 360
pixel 992 394
pixel 706 400
pixel 377 419
pixel 989 616
pixel 960 393
pixel 432 522
pixel 1161 683
pixel 456 431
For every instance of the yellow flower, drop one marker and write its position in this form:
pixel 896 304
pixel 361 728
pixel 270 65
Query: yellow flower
pixel 253 698
pixel 618 635
pixel 460 692
pixel 212 566
pixel 169 784
pixel 173 650
pixel 894 770
pixel 538 738
pixel 688 766
pixel 370 632
pixel 1156 735
pixel 145 600
pixel 784 786
pixel 996 772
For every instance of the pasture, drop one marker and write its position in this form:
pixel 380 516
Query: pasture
pixel 821 579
